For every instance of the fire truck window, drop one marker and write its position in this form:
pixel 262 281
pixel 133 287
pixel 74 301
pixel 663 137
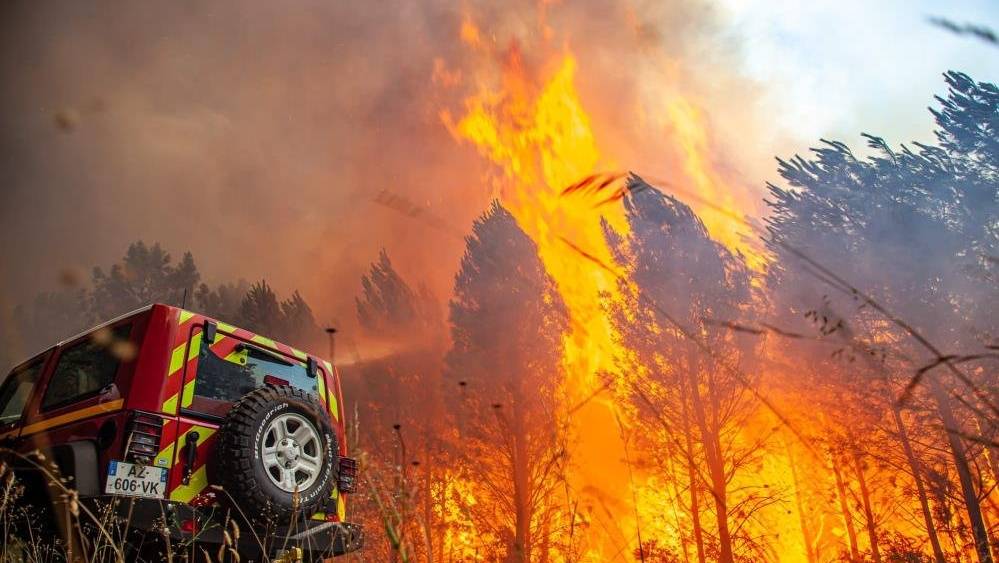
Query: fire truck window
pixel 15 391
pixel 227 379
pixel 84 368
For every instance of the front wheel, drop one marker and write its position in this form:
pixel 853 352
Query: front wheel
pixel 277 453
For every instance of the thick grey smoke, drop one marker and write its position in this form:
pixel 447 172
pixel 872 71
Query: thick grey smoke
pixel 259 135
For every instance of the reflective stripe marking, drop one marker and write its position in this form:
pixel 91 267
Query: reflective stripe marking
pixel 165 457
pixel 199 479
pixel 184 316
pixel 73 416
pixel 335 409
pixel 170 405
pixel 177 359
pixel 321 388
pixel 334 405
pixel 198 482
pixel 204 432
pixel 298 353
pixel 188 396
pixel 238 356
pixel 265 341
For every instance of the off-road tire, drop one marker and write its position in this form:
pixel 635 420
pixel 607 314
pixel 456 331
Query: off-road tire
pixel 239 466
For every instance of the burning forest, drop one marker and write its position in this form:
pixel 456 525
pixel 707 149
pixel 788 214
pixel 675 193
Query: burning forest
pixel 617 340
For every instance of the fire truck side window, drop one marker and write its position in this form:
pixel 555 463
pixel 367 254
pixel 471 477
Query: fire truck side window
pixel 85 368
pixel 15 391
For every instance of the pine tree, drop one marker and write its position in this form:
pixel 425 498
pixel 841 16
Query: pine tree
pixel 298 324
pixel 145 275
pixel 402 421
pixel 507 323
pixel 260 311
pixel 916 231
pixel 674 267
pixel 223 302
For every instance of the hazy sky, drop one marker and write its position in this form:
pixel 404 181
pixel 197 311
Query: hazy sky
pixel 839 68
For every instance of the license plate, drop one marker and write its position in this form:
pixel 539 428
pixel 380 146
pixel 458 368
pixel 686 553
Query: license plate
pixel 131 479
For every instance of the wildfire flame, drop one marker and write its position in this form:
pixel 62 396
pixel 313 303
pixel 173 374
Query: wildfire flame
pixel 532 125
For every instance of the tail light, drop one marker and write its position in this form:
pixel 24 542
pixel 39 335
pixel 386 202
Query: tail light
pixel 347 481
pixel 144 433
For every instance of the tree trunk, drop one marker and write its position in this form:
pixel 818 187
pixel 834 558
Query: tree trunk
pixel 917 477
pixel 806 532
pixel 712 455
pixel 845 509
pixel 695 506
pixel 520 551
pixel 974 508
pixel 865 495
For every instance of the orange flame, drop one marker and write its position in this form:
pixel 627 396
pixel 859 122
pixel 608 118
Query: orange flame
pixel 531 124
pixel 534 128
pixel 542 141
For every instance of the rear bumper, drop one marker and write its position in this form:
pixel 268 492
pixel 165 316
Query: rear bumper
pixel 211 527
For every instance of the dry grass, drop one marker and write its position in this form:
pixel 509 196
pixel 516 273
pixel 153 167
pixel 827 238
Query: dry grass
pixel 71 530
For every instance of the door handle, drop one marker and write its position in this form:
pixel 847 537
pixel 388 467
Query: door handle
pixel 190 455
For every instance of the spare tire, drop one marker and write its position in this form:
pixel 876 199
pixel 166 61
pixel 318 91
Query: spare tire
pixel 277 453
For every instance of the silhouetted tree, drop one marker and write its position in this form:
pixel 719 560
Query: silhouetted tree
pixel 400 398
pixel 694 404
pixel 507 323
pixel 916 231
pixel 298 324
pixel 222 302
pixel 260 311
pixel 145 275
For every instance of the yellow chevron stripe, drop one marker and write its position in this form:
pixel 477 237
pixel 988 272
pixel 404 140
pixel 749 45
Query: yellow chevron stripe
pixel 199 479
pixel 204 432
pixel 226 327
pixel 197 483
pixel 170 405
pixel 334 406
pixel 238 356
pixel 73 416
pixel 188 396
pixel 165 457
pixel 341 508
pixel 178 358
pixel 265 341
pixel 321 388
pixel 335 409
pixel 184 316
pixel 298 354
